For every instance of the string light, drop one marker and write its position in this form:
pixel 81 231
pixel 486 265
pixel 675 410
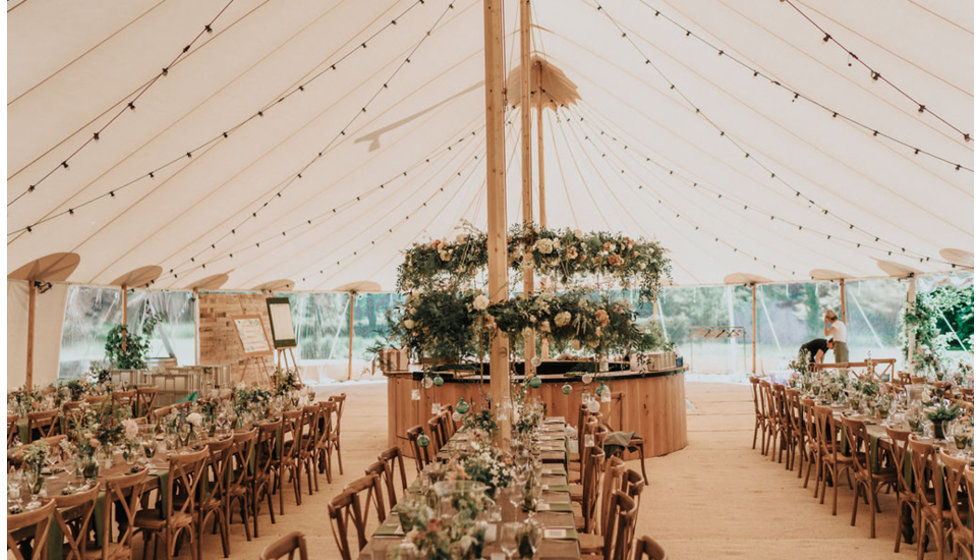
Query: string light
pixel 797 95
pixel 730 139
pixel 214 140
pixel 720 194
pixel 318 219
pixel 876 75
pixel 130 105
pixel 294 176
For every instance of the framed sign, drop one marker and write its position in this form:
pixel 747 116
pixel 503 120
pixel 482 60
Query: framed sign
pixel 251 334
pixel 281 319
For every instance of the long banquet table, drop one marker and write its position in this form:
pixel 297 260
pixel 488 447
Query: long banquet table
pixel 554 512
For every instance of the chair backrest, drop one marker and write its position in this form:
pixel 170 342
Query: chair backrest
pixel 124 492
pixel 957 489
pixel 343 511
pixel 612 479
pixel 158 413
pixel 186 470
pixel 827 430
pixel 96 399
pixel 242 455
pixel 40 520
pixel 898 453
pixel 618 544
pixel 392 459
pixel 809 420
pixel 145 397
pixel 311 426
pixel 633 484
pixel 267 448
pixel 216 469
pixel 377 469
pixel 124 399
pixel 11 428
pixel 926 474
pixel 794 411
pixel 74 515
pixel 590 486
pixel 757 397
pixel 338 410
pixel 647 548
pixel 293 543
pixel 779 399
pixel 858 444
pixel 421 454
pixel 367 490
pixel 325 429
pixel 42 424
pixel 436 429
pixel 449 425
pixel 292 424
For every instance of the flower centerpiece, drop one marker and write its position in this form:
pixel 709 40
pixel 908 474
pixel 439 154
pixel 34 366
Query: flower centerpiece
pixel 285 381
pixel 482 422
pixel 941 414
pixel 34 458
pixel 488 466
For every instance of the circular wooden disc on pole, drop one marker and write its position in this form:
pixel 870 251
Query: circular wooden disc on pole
pixel 359 287
pixel 212 282
pixel 826 275
pixel 143 276
pixel 56 267
pixel 746 278
pixel 957 257
pixel 897 270
pixel 283 285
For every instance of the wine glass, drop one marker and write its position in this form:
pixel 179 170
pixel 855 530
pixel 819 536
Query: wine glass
pixel 15 501
pixel 509 535
pixel 70 470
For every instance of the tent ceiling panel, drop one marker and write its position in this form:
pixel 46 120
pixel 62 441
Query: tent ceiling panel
pixel 397 114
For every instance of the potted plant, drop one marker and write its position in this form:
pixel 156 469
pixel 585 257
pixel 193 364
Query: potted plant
pixel 128 350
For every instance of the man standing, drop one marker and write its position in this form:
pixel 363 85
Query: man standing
pixel 834 328
pixel 816 350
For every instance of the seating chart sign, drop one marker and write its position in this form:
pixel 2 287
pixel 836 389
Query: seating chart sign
pixel 251 333
pixel 281 319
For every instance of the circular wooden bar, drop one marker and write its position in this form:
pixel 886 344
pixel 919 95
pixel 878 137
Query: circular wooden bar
pixel 652 404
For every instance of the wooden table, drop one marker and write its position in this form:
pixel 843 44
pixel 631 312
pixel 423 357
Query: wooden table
pixel 554 481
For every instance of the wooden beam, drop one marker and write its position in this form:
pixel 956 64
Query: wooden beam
pixel 843 303
pixel 754 328
pixel 910 303
pixel 493 34
pixel 125 317
pixel 350 338
pixel 543 218
pixel 31 301
pixel 527 189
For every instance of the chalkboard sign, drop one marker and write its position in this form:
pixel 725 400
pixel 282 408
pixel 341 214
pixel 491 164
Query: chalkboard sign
pixel 251 334
pixel 281 319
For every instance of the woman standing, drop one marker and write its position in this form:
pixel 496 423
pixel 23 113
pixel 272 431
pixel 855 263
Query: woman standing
pixel 835 329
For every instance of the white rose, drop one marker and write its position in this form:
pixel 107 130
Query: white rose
pixel 563 319
pixel 481 302
pixel 132 429
pixel 545 246
pixel 409 324
pixel 461 238
pixel 195 419
pixel 578 233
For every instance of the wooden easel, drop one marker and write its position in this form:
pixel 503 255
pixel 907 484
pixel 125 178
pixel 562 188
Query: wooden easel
pixel 260 361
pixel 284 358
pixel 254 344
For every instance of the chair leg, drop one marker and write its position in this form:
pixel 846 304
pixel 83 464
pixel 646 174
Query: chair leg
pixel 340 463
pixel 836 486
pixel 874 506
pixel 854 510
pixel 755 432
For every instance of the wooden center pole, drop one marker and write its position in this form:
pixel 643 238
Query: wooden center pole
pixel 31 300
pixel 543 218
pixel 843 303
pixel 754 328
pixel 527 189
pixel 125 317
pixel 493 34
pixel 910 304
pixel 350 338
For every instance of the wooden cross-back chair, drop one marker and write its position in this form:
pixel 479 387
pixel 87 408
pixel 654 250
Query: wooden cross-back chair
pixel 292 439
pixel 593 544
pixel 367 491
pixel 927 476
pixel 419 453
pixel 334 436
pixel 783 437
pixel 436 428
pixel 959 491
pixel 27 533
pixel 176 512
pixel 449 425
pixel 124 399
pixel 595 458
pixel 124 492
pixel 377 469
pixel 145 398
pixel 811 446
pixel 266 472
pixel 344 511
pixel 242 474
pixel 832 461
pixel 882 369
pixel 292 544
pixel 871 473
pixel 310 434
pixel 768 406
pixel 760 412
pixel 213 499
pixel 42 424
pixel 794 415
pixel 905 494
pixel 323 449
pixel 11 429
pixel 392 458
pixel 624 511
pixel 73 513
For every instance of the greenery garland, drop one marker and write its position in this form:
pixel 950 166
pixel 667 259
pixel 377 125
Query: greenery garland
pixel 137 345
pixel 569 256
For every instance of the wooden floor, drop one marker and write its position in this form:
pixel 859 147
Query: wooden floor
pixel 715 499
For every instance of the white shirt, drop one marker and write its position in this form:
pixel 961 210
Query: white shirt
pixel 838 331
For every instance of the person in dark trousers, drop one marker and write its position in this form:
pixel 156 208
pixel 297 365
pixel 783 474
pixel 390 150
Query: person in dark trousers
pixel 816 350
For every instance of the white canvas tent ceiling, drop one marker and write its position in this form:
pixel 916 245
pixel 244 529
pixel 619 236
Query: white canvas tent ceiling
pixel 397 114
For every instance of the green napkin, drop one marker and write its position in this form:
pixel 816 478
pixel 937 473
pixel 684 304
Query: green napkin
pixel 389 530
pixel 561 534
pixel 557 488
pixel 560 506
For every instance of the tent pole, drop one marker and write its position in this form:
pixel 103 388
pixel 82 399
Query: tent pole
pixel 350 338
pixel 755 328
pixel 493 35
pixel 197 326
pixel 541 209
pixel 125 317
pixel 32 297
pixel 843 303
pixel 910 303
pixel 527 190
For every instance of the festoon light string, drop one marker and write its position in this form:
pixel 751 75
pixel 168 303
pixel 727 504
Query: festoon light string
pixel 225 134
pixel 284 184
pixel 756 72
pixel 323 217
pixel 876 76
pixel 671 171
pixel 772 174
pixel 697 227
pixel 130 106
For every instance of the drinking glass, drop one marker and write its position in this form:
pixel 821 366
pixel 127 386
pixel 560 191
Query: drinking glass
pixel 509 534
pixel 70 470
